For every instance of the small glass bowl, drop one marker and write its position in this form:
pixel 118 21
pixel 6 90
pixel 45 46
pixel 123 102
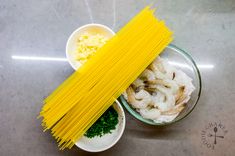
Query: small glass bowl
pixel 183 61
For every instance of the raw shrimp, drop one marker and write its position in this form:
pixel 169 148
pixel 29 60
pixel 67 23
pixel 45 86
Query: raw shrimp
pixel 165 118
pixel 170 70
pixel 173 111
pixel 152 113
pixel 140 99
pixel 170 84
pixel 157 65
pixel 162 69
pixel 125 94
pixel 157 98
pixel 138 84
pixel 158 70
pixel 169 101
pixel 147 75
pixel 183 80
pixel 180 96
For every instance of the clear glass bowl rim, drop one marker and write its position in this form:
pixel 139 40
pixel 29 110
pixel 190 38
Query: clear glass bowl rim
pixel 150 122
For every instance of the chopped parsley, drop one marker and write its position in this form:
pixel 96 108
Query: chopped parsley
pixel 105 124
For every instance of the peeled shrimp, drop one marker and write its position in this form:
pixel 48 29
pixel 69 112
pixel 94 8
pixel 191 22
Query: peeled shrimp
pixel 173 111
pixel 170 84
pixel 158 98
pixel 158 70
pixel 169 101
pixel 183 80
pixel 162 69
pixel 152 113
pixel 140 99
pixel 157 65
pixel 147 75
pixel 138 83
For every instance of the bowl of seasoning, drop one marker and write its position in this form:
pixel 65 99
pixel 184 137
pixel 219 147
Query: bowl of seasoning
pixel 85 41
pixel 106 131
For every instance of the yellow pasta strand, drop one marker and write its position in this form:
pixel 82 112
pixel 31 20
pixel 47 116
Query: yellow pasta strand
pixel 78 102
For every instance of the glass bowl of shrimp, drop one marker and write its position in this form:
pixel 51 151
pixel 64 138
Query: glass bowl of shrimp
pixel 167 91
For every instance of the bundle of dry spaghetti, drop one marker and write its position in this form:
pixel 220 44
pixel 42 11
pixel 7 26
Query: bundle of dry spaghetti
pixel 78 102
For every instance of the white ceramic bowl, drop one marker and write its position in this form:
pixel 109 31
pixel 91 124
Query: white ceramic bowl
pixel 98 144
pixel 88 28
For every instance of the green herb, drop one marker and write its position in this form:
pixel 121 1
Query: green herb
pixel 104 124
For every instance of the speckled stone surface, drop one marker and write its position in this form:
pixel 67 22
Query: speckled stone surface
pixel 204 28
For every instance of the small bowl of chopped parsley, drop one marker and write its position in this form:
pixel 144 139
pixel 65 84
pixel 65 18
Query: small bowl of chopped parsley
pixel 106 131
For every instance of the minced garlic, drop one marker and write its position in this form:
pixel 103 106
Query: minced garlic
pixel 87 45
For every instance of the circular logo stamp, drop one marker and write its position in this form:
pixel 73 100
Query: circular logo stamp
pixel 212 134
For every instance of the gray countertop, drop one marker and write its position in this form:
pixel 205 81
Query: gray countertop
pixel 32 31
